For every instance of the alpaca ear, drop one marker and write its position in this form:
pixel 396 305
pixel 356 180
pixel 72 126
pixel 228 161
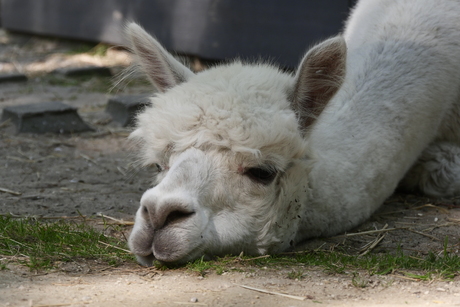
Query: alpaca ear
pixel 319 76
pixel 163 70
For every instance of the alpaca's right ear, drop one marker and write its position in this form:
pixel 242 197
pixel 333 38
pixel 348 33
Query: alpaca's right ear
pixel 163 70
pixel 318 78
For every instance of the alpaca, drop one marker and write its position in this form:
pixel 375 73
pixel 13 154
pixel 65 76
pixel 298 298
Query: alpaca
pixel 248 158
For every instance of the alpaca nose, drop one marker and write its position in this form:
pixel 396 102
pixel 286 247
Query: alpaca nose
pixel 166 213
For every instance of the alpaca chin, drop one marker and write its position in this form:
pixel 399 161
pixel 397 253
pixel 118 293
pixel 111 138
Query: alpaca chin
pixel 145 260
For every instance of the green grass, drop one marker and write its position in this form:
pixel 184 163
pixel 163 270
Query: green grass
pixel 42 245
pixel 445 266
pixel 296 274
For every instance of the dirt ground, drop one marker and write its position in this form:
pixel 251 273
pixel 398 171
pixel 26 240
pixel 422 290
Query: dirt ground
pixel 86 174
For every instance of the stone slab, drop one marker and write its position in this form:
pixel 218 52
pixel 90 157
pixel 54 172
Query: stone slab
pixel 13 77
pixel 99 71
pixel 54 117
pixel 123 108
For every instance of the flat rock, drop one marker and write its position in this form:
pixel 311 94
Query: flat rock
pixel 13 77
pixel 123 109
pixel 55 117
pixel 84 71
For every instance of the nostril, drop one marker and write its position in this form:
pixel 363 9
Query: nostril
pixel 163 213
pixel 177 216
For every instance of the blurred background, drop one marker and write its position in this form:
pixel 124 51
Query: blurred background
pixel 279 31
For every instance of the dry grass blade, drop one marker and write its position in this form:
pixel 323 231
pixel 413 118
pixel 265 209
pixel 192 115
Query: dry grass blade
pixel 405 277
pixel 117 221
pixel 423 234
pixel 12 240
pixel 121 170
pixel 300 298
pixel 20 159
pixel 368 232
pixel 443 210
pixel 392 212
pixel 5 123
pixel 255 258
pixel 53 305
pixel 88 158
pixel 113 246
pixel 54 156
pixel 5 190
pixel 64 217
pixel 440 225
pixel 374 243
pixel 24 155
pixel 38 217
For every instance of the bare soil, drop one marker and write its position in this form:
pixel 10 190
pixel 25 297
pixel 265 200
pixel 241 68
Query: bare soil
pixel 86 174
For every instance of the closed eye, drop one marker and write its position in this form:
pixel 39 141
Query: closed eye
pixel 261 175
pixel 155 168
pixel 158 167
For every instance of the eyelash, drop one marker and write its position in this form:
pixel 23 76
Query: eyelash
pixel 158 167
pixel 261 175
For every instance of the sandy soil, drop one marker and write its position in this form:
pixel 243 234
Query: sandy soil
pixel 88 173
pixel 133 286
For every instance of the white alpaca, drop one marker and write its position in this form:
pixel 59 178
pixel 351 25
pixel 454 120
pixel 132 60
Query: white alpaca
pixel 248 158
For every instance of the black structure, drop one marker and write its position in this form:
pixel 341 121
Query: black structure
pixel 123 109
pixel 212 29
pixel 54 117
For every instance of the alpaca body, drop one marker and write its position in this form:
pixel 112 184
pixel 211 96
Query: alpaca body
pixel 249 158
pixel 401 93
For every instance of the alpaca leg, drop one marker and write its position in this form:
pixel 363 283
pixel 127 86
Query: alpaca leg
pixel 437 171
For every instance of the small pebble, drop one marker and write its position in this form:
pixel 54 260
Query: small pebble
pixel 441 289
pixel 194 300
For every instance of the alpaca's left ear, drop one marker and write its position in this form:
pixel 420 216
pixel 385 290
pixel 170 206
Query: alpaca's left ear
pixel 318 78
pixel 163 70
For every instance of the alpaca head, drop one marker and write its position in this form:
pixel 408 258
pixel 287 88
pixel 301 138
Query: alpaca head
pixel 228 151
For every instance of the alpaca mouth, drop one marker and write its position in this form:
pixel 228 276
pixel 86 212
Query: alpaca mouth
pixel 169 257
pixel 146 260
pixel 169 246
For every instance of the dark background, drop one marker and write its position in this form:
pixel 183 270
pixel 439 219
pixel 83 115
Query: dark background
pixel 277 30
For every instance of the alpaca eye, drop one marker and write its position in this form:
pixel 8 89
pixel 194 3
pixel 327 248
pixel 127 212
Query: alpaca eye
pixel 156 168
pixel 261 175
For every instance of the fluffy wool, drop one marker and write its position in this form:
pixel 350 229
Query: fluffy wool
pixel 231 107
pixel 255 160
